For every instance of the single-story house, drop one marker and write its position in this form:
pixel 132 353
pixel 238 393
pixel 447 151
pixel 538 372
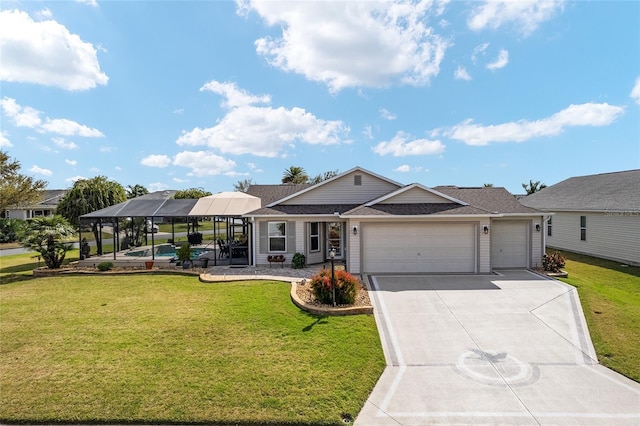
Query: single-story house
pixel 598 215
pixel 377 225
pixel 46 206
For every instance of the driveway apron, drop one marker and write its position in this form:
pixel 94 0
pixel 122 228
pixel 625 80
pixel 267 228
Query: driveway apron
pixel 511 348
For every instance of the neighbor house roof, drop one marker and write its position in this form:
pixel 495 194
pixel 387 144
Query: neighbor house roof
pixel 497 200
pixel 272 193
pixel 617 191
pixel 48 199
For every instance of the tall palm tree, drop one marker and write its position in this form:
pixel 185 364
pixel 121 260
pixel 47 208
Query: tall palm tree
pixel 533 187
pixel 295 174
pixel 46 235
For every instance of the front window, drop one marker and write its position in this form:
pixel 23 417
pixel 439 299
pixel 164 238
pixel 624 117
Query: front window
pixel 549 227
pixel 277 236
pixel 583 228
pixel 314 236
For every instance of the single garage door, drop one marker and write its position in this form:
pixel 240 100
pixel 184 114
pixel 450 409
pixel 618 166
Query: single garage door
pixel 509 245
pixel 418 248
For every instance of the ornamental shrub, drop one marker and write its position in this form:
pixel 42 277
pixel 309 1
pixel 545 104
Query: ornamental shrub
pixel 553 262
pixel 105 266
pixel 298 261
pixel 346 287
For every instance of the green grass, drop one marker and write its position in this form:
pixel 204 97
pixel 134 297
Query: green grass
pixel 610 298
pixel 169 349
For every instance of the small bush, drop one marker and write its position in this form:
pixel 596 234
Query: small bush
pixel 105 266
pixel 299 261
pixel 553 262
pixel 347 287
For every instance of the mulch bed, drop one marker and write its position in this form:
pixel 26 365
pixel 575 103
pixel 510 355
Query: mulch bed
pixel 305 293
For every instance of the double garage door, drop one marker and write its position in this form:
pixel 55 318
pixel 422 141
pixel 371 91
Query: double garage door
pixel 419 248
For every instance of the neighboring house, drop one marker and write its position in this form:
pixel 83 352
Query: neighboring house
pixel 45 207
pixel 376 225
pixel 598 215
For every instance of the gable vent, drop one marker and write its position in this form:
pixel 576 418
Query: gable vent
pixel 357 180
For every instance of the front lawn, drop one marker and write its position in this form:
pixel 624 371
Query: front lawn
pixel 169 349
pixel 610 297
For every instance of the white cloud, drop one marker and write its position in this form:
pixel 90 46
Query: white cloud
pixel 479 50
pixel 71 162
pixel 74 178
pixel 93 3
pixel 178 111
pixel 65 127
pixel 40 171
pixel 384 113
pixel 178 180
pixel 501 61
pixel 106 149
pixel 61 143
pixel 4 142
pixel 46 53
pixel 399 146
pixel 262 131
pixel 157 186
pixel 204 163
pixel 353 44
pixel 21 116
pixel 368 132
pixel 235 97
pixel 589 114
pixel 461 74
pixel 156 161
pixel 95 170
pixel 524 15
pixel 45 13
pixel 405 168
pixel 635 92
pixel 30 117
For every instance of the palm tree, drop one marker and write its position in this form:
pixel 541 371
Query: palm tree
pixel 295 174
pixel 533 186
pixel 45 235
pixel 487 185
pixel 136 191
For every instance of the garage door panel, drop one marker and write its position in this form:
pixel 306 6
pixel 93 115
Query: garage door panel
pixel 418 248
pixel 509 247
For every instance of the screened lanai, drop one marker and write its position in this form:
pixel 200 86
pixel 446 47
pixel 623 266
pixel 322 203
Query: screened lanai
pixel 215 227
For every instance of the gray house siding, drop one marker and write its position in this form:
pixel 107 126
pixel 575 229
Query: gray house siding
pixel 345 190
pixel 609 235
pixel 415 196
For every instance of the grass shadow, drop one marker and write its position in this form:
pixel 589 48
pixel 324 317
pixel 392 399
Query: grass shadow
pixel 318 321
pixel 602 263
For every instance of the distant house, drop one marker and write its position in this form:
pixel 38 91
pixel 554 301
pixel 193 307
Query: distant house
pixel 598 215
pixel 376 225
pixel 45 207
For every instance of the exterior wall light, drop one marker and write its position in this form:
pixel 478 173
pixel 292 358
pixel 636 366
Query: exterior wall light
pixel 486 229
pixel 355 230
pixel 537 227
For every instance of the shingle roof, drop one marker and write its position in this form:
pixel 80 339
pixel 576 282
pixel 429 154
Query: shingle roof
pixel 617 191
pixel 303 209
pixel 415 210
pixel 497 200
pixel 272 193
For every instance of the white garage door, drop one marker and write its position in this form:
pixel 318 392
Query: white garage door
pixel 417 248
pixel 509 245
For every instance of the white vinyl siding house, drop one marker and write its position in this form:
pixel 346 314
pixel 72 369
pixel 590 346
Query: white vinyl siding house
pixel 379 226
pixel 609 235
pixel 597 215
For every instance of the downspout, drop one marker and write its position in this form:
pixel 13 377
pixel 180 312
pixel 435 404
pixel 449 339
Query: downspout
pixel 253 241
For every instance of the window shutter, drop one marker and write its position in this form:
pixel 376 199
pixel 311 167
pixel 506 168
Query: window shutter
pixel 263 243
pixel 291 237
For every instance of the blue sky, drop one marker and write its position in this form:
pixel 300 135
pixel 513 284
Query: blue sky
pixel 180 94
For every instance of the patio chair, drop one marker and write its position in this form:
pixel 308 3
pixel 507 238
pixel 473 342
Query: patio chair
pixel 224 249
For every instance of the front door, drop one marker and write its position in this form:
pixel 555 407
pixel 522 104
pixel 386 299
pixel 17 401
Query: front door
pixel 334 239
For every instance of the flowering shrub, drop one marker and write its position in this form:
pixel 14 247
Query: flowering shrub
pixel 553 262
pixel 346 287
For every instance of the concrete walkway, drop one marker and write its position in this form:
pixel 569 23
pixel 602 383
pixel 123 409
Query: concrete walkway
pixel 511 349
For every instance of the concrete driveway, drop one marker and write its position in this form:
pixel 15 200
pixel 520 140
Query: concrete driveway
pixel 508 349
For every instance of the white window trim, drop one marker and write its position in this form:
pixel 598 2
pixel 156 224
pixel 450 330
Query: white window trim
pixel 284 237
